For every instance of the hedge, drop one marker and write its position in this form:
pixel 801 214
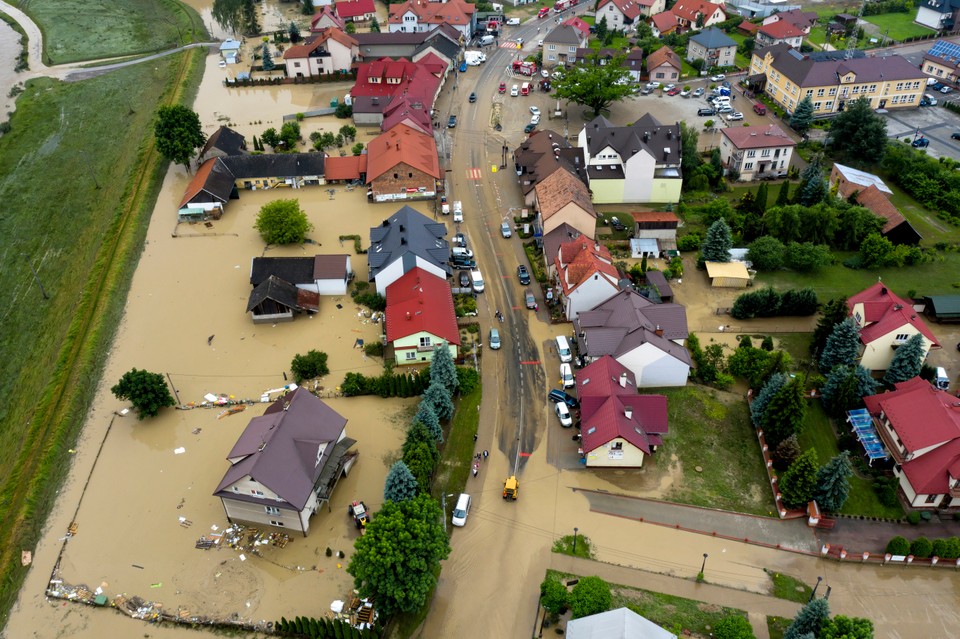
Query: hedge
pixel 768 302
pixel 922 548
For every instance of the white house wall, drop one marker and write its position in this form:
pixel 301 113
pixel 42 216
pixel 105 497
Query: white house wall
pixel 654 368
pixel 878 353
pixel 590 293
pixel 394 271
pixel 629 456
pixel 929 18
pixel 638 172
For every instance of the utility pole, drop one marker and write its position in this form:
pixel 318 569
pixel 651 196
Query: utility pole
pixel 852 40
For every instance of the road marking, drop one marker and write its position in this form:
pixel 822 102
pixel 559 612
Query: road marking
pixel 535 362
pixel 474 174
pixel 526 454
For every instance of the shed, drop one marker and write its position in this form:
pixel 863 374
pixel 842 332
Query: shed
pixel 656 278
pixel 728 274
pixel 943 308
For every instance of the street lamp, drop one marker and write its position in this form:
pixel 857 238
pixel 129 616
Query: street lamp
pixel 36 277
pixel 704 564
pixel 813 594
pixel 575 531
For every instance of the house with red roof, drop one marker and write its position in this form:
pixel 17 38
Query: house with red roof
pixel 419 316
pixel 419 15
pixel 803 20
pixel 330 51
pixel 756 152
pixel 886 322
pixel 693 15
pixel 869 191
pixel 326 18
pixel 664 65
pixel 578 23
pixel 618 426
pixel 402 163
pixel 780 31
pixel 920 427
pixel 664 23
pixel 586 274
pixel 622 14
pixel 355 10
pixel 644 337
pixel 382 81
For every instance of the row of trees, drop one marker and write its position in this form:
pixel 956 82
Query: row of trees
pixel 769 302
pixel 935 183
pixel 813 622
pixel 803 481
pixel 923 548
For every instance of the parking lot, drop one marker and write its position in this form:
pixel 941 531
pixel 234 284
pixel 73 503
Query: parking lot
pixel 934 123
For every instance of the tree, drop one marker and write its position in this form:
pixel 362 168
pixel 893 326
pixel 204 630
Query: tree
pixel 690 159
pixel 357 149
pixel 309 366
pixel 553 596
pixel 442 368
pixel 760 403
pixel 178 133
pixel 858 133
pixel 428 417
pixel 834 312
pixel 348 132
pixel 762 197
pixel 283 222
pixel 833 483
pixel 266 58
pixel 439 398
pixel 875 251
pixel 799 484
pixel 785 413
pixel 236 16
pixel 810 619
pixel 270 137
pixel 842 627
pixel 840 390
pixel 590 596
pixel 807 257
pixel 595 85
pixel 400 484
pixel 716 247
pixel 842 347
pixel 734 627
pixel 374 25
pixel 602 28
pixel 289 135
pixel 898 546
pixel 786 453
pixel 306 7
pixel 813 187
pixel 907 361
pixel 420 458
pixel 351 28
pixel 148 392
pixel 751 364
pixel 294 32
pixel 396 559
pixel 766 253
pixel 783 196
pixel 802 118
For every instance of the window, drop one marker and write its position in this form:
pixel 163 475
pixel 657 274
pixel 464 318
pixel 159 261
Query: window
pixel 272 510
pixel 829 105
pixel 552 47
pixel 817 105
pixel 396 175
pixel 932 498
pixel 765 153
pixel 895 99
pixel 425 342
pixel 856 89
pixel 552 57
pixel 410 175
pixel 410 356
pixel 858 317
pixel 915 85
pixel 278 524
pixel 833 91
pixel 660 75
pixel 258 493
pixel 899 86
pixel 819 93
pixel 873 88
pixel 809 93
pixel 748 166
pixel 901 337
pixel 751 154
pixel 617 446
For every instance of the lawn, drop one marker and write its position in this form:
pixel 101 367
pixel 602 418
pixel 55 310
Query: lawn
pixel 921 218
pixel 789 588
pixel 898 26
pixel 76 31
pixel 776 626
pixel 458 449
pixel 819 435
pixel 711 429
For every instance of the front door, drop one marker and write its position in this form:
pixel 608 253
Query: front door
pixel 883 104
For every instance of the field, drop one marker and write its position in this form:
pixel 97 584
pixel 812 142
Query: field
pixel 77 31
pixel 897 26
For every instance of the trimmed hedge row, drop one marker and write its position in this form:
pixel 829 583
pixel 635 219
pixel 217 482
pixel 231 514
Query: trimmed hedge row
pixel 768 302
pixel 923 548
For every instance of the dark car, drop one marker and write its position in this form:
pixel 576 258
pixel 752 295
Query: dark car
pixel 616 224
pixel 523 274
pixel 936 86
pixel 530 300
pixel 921 143
pixel 706 112
pixel 464 279
pixel 529 128
pixel 461 261
pixel 452 122
pixel 955 136
pixel 473 97
pixel 557 396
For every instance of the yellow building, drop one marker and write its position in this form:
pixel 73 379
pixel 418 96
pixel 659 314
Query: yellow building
pixel 787 76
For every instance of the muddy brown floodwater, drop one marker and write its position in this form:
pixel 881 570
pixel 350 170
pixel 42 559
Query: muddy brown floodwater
pixel 9 49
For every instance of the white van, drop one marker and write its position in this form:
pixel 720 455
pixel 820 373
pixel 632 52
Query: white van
pixel 563 349
pixel 566 376
pixel 941 380
pixel 477 278
pixel 487 39
pixel 461 510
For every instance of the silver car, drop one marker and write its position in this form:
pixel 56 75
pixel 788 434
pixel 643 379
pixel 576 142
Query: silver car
pixel 494 339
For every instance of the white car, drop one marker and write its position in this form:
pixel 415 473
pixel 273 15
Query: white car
pixel 563 414
pixel 697 92
pixel 544 73
pixel 540 43
pixel 669 86
pixel 718 78
pixel 736 115
pixel 534 110
pixel 535 119
pixel 725 108
pixel 653 85
pixel 685 93
pixel 222 64
pixel 520 41
pixel 512 22
pixel 514 91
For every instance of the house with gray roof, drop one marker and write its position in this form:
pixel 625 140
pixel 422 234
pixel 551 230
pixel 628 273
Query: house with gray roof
pixel 621 623
pixel 713 46
pixel 647 338
pixel 404 241
pixel 941 15
pixel 223 143
pixel 285 464
pixel 275 300
pixel 320 274
pixel 632 164
pixel 561 44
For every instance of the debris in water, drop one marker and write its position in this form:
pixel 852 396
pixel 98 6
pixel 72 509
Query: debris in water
pixel 179 451
pixel 210 339
pixel 26 558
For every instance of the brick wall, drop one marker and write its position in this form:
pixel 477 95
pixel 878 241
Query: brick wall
pixel 407 177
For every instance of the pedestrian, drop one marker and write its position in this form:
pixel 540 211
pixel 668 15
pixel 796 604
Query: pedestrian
pixel 476 469
pixel 475 437
pixel 485 454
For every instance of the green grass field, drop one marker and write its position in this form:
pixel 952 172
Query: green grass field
pixel 713 431
pixel 789 588
pixel 76 31
pixel 898 26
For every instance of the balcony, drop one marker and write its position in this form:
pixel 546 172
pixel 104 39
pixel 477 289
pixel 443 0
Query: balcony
pixel 889 441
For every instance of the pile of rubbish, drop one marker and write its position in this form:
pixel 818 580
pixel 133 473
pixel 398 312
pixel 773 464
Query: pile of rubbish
pixel 247 539
pixel 361 613
pixel 81 593
pixel 220 400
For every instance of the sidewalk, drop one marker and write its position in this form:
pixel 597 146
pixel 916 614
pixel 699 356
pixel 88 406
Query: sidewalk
pixel 757 606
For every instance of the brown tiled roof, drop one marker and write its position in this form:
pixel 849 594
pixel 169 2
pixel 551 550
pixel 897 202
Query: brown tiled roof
pixel 454 12
pixel 806 71
pixel 559 189
pixel 579 259
pixel 654 216
pixel 689 9
pixel 628 8
pixel 665 22
pixel 757 137
pixel 402 144
pixel 780 30
pixel 876 200
pixel 348 167
pixel 664 55
pixel 304 50
pixel 748 26
pixel 329 12
pixel 544 152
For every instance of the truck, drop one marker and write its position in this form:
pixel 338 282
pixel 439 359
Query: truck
pixel 563 5
pixel 358 510
pixel 523 67
pixel 511 487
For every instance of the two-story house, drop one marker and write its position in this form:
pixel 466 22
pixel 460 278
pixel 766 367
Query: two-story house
pixel 942 61
pixel 663 23
pixel 939 15
pixel 803 20
pixel 756 152
pixel 561 44
pixel 286 463
pixel 758 8
pixel 419 316
pixel 407 240
pixel 442 40
pixel 714 47
pixel 330 51
pixel 561 198
pixel 355 10
pixel 632 164
pixel 383 81
pixel 693 15
pixel 326 18
pixel 830 79
pixel 869 191
pixel 622 15
pixel 664 66
pixel 886 322
pixel 402 163
pixel 542 153
pixel 780 32
pixel 586 274
pixel 416 15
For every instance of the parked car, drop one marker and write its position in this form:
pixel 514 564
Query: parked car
pixel 534 110
pixel 464 279
pixel 616 224
pixel 512 22
pixel 505 230
pixel 718 78
pixel 674 91
pixel 921 143
pixel 726 108
pixel 936 86
pixel 539 43
pixel 535 119
pixel 461 251
pixel 652 85
pixel 706 112
pixel 459 261
pixel 520 41
pixel 544 73
pixel 529 299
pixel 515 90
pixel 669 87
pixel 452 122
pixel 697 92
pixel 463 67
pixel 557 395
pixel 736 115
pixel 945 89
pixel 759 109
pixel 563 414
pixel 523 274
pixel 529 128
pixel 459 239
pixel 685 93
pixel 473 97
pixel 503 87
pixel 494 339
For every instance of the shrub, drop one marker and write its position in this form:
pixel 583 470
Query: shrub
pixel 939 547
pixel 689 242
pixel 309 366
pixel 468 379
pixel 373 349
pixel 913 518
pixel 898 546
pixel 921 548
pixel 373 300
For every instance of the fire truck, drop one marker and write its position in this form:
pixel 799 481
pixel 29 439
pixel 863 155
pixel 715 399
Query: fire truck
pixel 563 5
pixel 544 12
pixel 524 68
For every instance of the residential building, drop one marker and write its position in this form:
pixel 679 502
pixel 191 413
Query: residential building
pixel 578 23
pixel 660 226
pixel 663 23
pixel 326 18
pixel 714 47
pixel 407 240
pixel 618 427
pixel 382 81
pixel 224 142
pixel 402 163
pixel 756 152
pixel 561 44
pixel 600 57
pixel 803 20
pixel 886 322
pixel 939 15
pixel 542 153
pixel 443 40
pixel 586 274
pixel 870 192
pixel 693 15
pixel 274 300
pixel 780 32
pixel 415 15
pixel 621 623
pixel 551 246
pixel 621 14
pixel 346 168
pixel 942 61
pixel 286 463
pixel 632 164
pixel 758 8
pixel 330 51
pixel 644 337
pixel 562 198
pixel 355 10
pixel 830 79
pixel 419 316
pixel 729 274
pixel 320 274
pixel 664 66
pixel 920 428
pixel 634 64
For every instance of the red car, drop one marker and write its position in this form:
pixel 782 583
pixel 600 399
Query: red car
pixel 503 87
pixel 674 91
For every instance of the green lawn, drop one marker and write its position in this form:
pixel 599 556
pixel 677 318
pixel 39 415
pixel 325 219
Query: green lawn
pixel 819 435
pixel 924 220
pixel 789 588
pixel 75 31
pixel 458 449
pixel 898 26
pixel 776 626
pixel 711 429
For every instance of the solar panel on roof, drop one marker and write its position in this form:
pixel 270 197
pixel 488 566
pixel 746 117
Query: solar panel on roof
pixel 944 49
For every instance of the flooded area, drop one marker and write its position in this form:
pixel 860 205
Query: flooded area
pixel 9 50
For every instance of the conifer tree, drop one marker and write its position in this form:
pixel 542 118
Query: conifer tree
pixel 426 416
pixel 785 413
pixel 809 620
pixel 833 483
pixel 783 196
pixel 439 398
pixel 799 483
pixel 842 347
pixel 400 484
pixel 907 361
pixel 443 369
pixel 759 405
pixel 716 247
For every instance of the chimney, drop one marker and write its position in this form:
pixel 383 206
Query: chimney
pixel 623 380
pixel 669 134
pixel 883 290
pixel 646 136
pixel 628 412
pixel 408 315
pixel 659 331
